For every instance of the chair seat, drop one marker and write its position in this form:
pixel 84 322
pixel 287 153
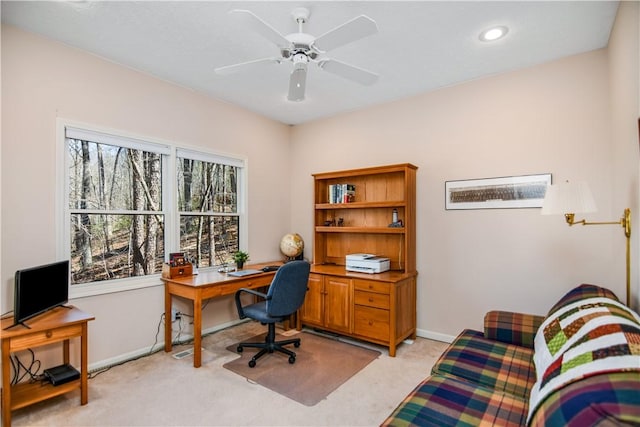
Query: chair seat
pixel 258 312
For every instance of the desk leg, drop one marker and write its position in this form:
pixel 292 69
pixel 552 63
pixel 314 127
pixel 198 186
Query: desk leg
pixel 84 386
pixel 6 384
pixel 197 330
pixel 167 319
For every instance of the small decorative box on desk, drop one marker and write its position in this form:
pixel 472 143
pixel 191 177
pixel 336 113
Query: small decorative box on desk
pixel 171 272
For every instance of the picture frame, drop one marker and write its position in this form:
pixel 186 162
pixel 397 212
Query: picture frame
pixel 510 192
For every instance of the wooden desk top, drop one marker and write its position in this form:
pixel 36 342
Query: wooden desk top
pixel 213 277
pixel 59 316
pixel 339 270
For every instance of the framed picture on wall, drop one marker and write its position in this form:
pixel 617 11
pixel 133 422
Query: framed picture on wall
pixel 524 191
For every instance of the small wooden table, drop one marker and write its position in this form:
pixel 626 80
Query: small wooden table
pixel 203 286
pixel 59 324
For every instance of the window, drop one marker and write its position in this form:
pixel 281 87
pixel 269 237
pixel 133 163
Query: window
pixel 126 208
pixel 208 207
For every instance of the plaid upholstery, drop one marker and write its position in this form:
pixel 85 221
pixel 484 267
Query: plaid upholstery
pixel 446 401
pixel 581 292
pixel 493 364
pixel 486 379
pixel 512 328
pixel 612 399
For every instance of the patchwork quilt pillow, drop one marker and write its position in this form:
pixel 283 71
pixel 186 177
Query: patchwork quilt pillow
pixel 580 293
pixel 587 333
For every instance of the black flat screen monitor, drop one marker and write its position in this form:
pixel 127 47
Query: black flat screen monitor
pixel 39 289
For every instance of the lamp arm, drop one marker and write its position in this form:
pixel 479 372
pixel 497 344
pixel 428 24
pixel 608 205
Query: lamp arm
pixel 625 221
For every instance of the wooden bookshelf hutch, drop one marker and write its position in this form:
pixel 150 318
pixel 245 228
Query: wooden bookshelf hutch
pixel 379 308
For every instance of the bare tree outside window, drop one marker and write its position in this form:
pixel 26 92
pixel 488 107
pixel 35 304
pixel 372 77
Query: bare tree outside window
pixel 208 203
pixel 115 202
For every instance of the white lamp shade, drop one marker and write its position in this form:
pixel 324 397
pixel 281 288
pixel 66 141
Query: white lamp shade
pixel 568 198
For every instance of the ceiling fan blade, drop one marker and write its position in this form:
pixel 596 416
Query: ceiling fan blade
pixel 297 83
pixel 357 28
pixel 252 21
pixel 349 72
pixel 230 69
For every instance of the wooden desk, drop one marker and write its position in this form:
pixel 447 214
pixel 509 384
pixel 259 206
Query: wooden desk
pixel 201 287
pixel 59 324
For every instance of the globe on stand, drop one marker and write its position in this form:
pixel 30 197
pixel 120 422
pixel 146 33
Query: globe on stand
pixel 292 246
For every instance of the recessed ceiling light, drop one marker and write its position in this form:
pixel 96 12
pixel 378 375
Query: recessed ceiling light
pixel 493 33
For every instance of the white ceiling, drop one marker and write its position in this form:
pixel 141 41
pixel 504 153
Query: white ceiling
pixel 420 45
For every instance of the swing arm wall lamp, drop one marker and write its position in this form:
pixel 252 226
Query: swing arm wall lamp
pixel 567 199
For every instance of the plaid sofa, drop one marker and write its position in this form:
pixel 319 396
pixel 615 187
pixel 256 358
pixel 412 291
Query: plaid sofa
pixel 486 378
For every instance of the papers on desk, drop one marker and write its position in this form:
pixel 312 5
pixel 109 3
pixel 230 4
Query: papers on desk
pixel 241 273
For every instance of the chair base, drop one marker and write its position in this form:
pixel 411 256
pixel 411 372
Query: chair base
pixel 270 345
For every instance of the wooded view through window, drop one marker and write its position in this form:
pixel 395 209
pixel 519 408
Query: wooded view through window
pixel 208 204
pixel 115 201
pixel 117 213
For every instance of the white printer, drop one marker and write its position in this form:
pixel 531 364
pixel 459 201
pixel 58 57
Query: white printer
pixel 366 263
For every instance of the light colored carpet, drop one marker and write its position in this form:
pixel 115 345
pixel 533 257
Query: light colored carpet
pixel 322 365
pixel 161 391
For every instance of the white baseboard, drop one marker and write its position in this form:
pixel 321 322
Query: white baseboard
pixel 121 358
pixel 113 361
pixel 436 336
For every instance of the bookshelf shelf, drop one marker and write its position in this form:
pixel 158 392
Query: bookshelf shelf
pixel 375 230
pixel 361 205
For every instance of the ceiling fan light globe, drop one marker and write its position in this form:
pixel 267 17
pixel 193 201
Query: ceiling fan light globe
pixel 300 59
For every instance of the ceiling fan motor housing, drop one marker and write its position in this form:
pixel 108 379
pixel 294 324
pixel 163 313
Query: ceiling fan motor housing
pixel 300 43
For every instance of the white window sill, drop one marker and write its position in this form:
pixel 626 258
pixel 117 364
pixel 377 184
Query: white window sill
pixel 111 286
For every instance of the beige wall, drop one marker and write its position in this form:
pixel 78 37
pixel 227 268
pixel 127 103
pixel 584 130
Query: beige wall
pixel 569 117
pixel 551 118
pixel 43 80
pixel 624 87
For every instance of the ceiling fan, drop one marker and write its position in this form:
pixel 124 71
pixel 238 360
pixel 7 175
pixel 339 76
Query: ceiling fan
pixel 302 49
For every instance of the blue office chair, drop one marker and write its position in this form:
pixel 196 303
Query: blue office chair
pixel 285 296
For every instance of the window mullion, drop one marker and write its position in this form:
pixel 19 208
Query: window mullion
pixel 170 199
pixel 114 212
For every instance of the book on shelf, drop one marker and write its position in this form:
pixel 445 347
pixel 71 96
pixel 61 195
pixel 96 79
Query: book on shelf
pixel 342 193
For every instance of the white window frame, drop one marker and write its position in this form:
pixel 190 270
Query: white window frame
pixel 211 157
pixel 169 197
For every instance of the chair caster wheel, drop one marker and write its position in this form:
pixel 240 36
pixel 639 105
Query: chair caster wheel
pixel 252 363
pixel 292 359
pixel 239 349
pixel 296 344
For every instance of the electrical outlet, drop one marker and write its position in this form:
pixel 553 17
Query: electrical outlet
pixel 175 315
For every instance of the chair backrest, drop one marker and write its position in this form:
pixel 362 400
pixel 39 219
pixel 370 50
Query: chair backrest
pixel 288 288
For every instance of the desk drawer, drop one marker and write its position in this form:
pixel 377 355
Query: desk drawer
pixel 371 286
pixel 249 282
pixel 372 323
pixel 44 337
pixel 372 299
